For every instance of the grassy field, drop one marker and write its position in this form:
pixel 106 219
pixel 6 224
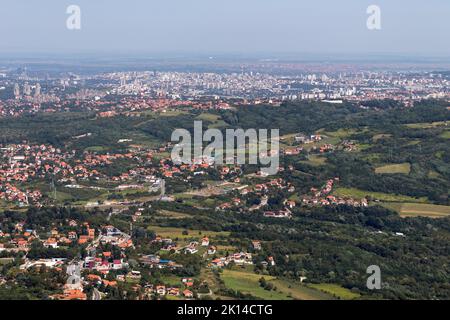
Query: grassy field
pixel 216 120
pixel 248 283
pixel 342 133
pixel 426 125
pixel 419 210
pixel 6 260
pixel 299 291
pixel 335 290
pixel 357 193
pixel 208 117
pixel 404 168
pixel 445 135
pixel 170 232
pixel 315 160
pixel 172 214
pixel 172 113
pixel 381 136
pixel 96 149
pixel 171 280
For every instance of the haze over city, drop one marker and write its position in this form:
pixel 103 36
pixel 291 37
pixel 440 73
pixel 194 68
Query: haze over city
pixel 412 28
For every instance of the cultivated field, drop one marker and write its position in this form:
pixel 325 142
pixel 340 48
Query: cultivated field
pixel 404 168
pixel 336 290
pixel 387 197
pixel 173 233
pixel 247 282
pixel 419 209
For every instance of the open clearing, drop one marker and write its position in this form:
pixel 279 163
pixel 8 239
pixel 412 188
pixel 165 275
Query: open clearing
pixel 299 291
pixel 387 197
pixel 315 160
pixel 169 232
pixel 380 136
pixel 247 282
pixel 404 168
pixel 419 210
pixel 6 260
pixel 336 290
pixel 445 135
pixel 172 214
pixel 427 125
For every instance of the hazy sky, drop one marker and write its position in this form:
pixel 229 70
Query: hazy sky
pixel 227 26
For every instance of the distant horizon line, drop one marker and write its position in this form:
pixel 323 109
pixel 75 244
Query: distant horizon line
pixel 217 54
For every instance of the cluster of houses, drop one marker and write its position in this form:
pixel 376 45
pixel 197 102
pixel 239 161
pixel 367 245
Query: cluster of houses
pixel 191 248
pixel 322 197
pixel 261 189
pixel 104 263
pixel 285 213
pixel 323 148
pixel 305 139
pixel 169 169
pixel 112 235
pixel 185 289
pixel 20 163
pixel 23 163
pixel 293 151
pixel 21 239
pixel 240 258
pixel 12 193
pixel 348 146
pixel 154 261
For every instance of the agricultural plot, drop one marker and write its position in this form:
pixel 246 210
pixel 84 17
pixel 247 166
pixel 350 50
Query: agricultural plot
pixel 300 292
pixel 315 160
pixel 180 233
pixel 403 168
pixel 381 136
pixel 419 210
pixel 385 197
pixel 4 261
pixel 427 125
pixel 248 283
pixel 336 290
pixel 445 135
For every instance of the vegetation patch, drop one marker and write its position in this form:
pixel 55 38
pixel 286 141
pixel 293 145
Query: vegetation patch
pixel 403 168
pixel 180 233
pixel 445 135
pixel 249 283
pixel 419 210
pixel 388 197
pixel 300 292
pixel 315 160
pixel 336 290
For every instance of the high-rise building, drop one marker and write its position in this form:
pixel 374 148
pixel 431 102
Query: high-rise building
pixel 27 89
pixel 37 91
pixel 16 91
